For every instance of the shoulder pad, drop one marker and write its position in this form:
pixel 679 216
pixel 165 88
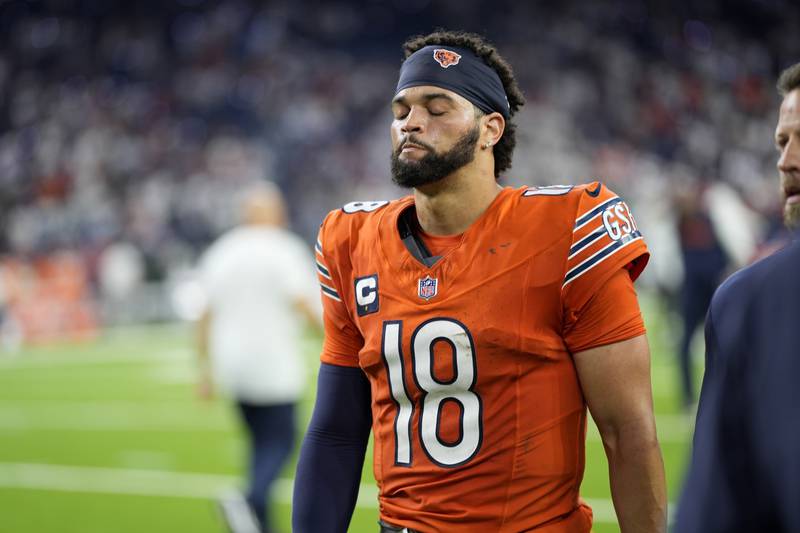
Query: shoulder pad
pixel 342 225
pixel 594 199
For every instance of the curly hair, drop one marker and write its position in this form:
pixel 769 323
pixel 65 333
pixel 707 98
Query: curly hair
pixel 482 48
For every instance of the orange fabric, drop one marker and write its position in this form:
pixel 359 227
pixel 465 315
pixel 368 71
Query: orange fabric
pixel 578 521
pixel 612 315
pixel 478 417
pixel 439 244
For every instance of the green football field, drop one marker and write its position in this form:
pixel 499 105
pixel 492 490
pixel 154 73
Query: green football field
pixel 108 437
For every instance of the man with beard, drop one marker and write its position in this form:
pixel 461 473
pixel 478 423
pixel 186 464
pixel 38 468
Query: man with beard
pixel 470 325
pixel 745 471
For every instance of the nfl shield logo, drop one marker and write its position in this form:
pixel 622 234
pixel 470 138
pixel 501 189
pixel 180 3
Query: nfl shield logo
pixel 428 287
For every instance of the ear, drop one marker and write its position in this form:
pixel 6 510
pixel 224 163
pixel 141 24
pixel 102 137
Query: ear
pixel 492 127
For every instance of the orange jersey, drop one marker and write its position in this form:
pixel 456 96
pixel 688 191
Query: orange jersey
pixel 478 417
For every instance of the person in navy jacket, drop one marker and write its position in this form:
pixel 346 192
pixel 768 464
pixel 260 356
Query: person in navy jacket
pixel 745 468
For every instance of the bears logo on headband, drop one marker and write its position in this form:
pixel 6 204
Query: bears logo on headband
pixel 446 58
pixel 474 79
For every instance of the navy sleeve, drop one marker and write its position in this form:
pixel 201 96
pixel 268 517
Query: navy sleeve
pixel 706 503
pixel 745 472
pixel 332 455
pixel 720 490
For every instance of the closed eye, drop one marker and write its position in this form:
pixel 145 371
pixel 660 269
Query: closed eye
pixel 399 112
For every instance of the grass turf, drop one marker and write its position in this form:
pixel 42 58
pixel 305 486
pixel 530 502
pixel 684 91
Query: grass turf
pixel 130 449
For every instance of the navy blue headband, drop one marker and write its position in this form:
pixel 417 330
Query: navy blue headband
pixel 458 70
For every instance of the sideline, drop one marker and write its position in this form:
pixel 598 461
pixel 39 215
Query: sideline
pixel 98 480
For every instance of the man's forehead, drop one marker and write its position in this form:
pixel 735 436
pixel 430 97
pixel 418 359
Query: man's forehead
pixel 422 93
pixel 790 107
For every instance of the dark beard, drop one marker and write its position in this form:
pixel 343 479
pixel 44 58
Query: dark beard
pixel 434 167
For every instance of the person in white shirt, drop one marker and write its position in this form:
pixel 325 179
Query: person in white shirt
pixel 261 289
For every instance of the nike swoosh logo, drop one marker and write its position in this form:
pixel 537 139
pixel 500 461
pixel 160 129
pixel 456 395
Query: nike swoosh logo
pixel 596 191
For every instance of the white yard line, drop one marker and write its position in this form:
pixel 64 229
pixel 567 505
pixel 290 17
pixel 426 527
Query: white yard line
pixel 111 416
pixel 138 482
pixel 112 480
pixel 95 426
pixel 49 361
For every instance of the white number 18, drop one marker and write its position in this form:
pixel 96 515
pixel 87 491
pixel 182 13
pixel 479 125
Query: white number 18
pixel 435 393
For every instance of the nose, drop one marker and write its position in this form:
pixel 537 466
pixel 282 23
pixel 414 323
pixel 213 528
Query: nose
pixel 790 156
pixel 414 121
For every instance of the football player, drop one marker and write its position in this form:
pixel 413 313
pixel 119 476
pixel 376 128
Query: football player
pixel 469 325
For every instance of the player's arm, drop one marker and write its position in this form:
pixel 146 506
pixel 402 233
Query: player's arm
pixel 332 455
pixel 205 389
pixel 604 331
pixel 615 379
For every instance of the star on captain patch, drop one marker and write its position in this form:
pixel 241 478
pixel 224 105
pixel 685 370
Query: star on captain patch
pixel 428 287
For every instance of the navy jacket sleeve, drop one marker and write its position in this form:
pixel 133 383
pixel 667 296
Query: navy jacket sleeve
pixel 332 455
pixel 706 504
pixel 745 472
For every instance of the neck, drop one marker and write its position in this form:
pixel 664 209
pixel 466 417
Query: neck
pixel 450 206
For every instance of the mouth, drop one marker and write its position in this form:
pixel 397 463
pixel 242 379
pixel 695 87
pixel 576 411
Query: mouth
pixel 792 193
pixel 409 147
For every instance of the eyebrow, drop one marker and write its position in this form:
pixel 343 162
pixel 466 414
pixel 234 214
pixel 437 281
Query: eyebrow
pixel 425 98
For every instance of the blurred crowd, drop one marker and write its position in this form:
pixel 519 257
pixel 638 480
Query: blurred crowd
pixel 126 129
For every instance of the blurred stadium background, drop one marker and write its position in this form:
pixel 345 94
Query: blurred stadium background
pixel 127 129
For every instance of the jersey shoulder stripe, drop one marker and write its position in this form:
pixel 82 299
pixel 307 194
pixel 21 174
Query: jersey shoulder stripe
pixel 594 234
pixel 322 270
pixel 595 211
pixel 604 234
pixel 330 292
pixel 600 256
pixel 325 279
pixel 338 234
